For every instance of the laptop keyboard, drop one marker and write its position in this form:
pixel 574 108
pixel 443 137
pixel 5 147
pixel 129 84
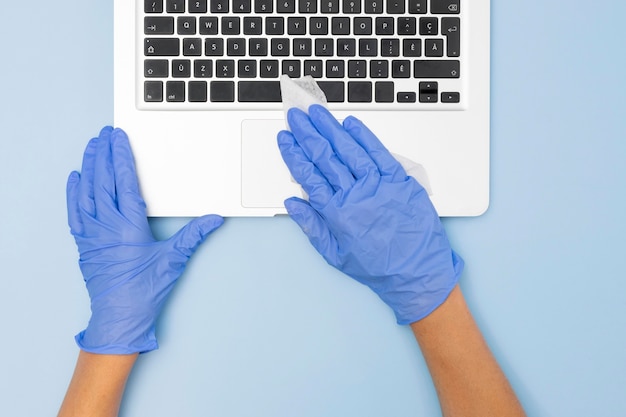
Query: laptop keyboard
pixel 219 53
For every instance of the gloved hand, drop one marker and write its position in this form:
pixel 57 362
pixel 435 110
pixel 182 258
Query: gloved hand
pixel 365 216
pixel 127 272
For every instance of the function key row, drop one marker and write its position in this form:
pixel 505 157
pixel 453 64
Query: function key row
pixel 303 6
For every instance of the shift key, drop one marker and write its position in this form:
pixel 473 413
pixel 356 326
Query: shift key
pixel 436 69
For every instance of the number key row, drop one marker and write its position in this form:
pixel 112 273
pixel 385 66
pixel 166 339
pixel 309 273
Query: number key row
pixel 301 6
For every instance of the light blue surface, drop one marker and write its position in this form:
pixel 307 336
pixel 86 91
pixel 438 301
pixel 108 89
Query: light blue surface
pixel 260 325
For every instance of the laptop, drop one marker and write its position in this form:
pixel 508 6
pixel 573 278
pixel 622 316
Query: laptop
pixel 197 90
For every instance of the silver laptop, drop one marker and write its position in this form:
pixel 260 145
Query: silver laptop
pixel 197 90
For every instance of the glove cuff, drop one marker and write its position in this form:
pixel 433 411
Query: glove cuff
pixel 106 338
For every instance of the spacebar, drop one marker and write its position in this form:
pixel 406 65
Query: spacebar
pixel 259 91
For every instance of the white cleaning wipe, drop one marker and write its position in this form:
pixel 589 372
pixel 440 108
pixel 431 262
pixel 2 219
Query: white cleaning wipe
pixel 304 92
pixel 300 93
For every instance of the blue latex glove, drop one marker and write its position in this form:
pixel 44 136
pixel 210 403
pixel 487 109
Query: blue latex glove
pixel 127 272
pixel 365 216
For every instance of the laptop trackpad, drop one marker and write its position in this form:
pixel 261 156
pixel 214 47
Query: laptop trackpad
pixel 265 179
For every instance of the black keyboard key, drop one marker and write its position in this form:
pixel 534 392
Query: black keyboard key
pixel 186 25
pixel 208 25
pixel 333 90
pixel 222 91
pixel 242 6
pixel 329 6
pixel 153 6
pixel 450 27
pixel 335 69
pixel 390 47
pixel 351 6
pixel 246 68
pixel 197 6
pixel 324 47
pixel 192 46
pixel 429 26
pixel 412 47
pixel 175 91
pixel 433 47
pixel 257 47
pixel 406 97
pixel 274 26
pixel 357 68
pixel 445 6
pixel 428 91
pixel 395 6
pixel 362 26
pixel 230 25
pixel 318 26
pixel 161 47
pixel 158 25
pixel 373 6
pixel 346 47
pixel 181 68
pixel 401 69
pixel 263 6
pixel 436 69
pixel 418 6
pixel 155 68
pixel 225 68
pixel 368 47
pixel 302 47
pixel 407 26
pixel 280 47
pixel 384 26
pixel 252 26
pixel 268 68
pixel 175 6
pixel 340 26
pixel 259 91
pixel 450 97
pixel 203 68
pixel 428 97
pixel 359 91
pixel 214 46
pixel 307 6
pixel 291 68
pixel 197 91
pixel 286 6
pixel 219 6
pixel 296 26
pixel 384 92
pixel 314 68
pixel 153 91
pixel 379 69
pixel 236 46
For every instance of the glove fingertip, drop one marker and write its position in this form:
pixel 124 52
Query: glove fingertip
pixel 73 211
pixel 207 224
pixel 106 131
pixel 296 206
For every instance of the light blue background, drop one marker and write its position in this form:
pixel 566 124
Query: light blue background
pixel 260 325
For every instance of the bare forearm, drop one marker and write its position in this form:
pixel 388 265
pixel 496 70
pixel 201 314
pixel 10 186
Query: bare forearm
pixel 467 378
pixel 97 386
